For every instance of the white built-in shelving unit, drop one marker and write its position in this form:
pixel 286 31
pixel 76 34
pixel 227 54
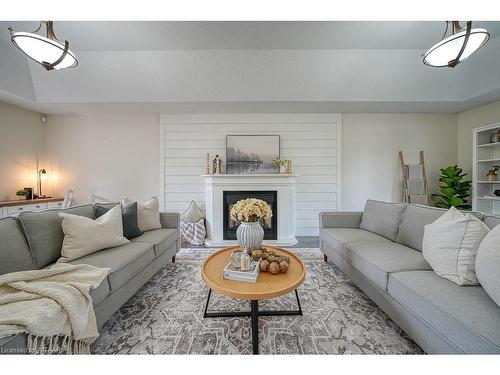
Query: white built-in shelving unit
pixel 485 156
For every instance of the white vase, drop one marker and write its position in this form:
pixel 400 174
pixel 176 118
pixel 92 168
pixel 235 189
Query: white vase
pixel 250 236
pixel 283 168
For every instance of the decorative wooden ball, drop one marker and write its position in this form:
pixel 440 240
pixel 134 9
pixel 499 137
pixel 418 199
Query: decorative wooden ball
pixel 271 258
pixel 274 268
pixel 256 254
pixel 284 266
pixel 264 265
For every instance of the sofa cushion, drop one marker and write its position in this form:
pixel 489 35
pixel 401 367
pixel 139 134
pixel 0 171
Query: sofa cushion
pixel 125 261
pixel 160 239
pixel 376 260
pixel 382 218
pixel 14 252
pixel 129 218
pixel 414 219
pixel 491 221
pixel 465 315
pixel 337 238
pixel 488 264
pixel 44 232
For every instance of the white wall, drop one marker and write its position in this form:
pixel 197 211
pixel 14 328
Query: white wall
pixel 468 120
pixel 20 146
pixel 103 157
pixel 370 145
pixel 310 140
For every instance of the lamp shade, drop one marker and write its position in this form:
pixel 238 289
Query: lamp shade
pixel 47 51
pixel 446 53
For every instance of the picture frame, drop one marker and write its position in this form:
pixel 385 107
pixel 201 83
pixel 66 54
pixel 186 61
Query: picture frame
pixel 252 154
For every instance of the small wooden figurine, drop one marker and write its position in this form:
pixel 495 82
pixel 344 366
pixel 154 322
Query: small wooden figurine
pixel 217 165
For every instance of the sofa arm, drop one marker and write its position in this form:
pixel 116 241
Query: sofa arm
pixel 170 220
pixel 340 219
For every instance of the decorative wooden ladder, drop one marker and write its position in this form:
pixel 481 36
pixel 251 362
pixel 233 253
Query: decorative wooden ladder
pixel 415 184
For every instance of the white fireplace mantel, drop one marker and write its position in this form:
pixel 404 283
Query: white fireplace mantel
pixel 284 184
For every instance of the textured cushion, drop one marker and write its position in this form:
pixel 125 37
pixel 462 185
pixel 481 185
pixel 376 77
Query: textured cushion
pixel 148 213
pixel 160 239
pixel 488 264
pixel 382 218
pixel 125 261
pixel 414 219
pixel 129 219
pixel 337 238
pixel 83 236
pixel 194 233
pixel 466 316
pixel 491 221
pixel 450 246
pixel 376 260
pixel 44 232
pixel 192 214
pixel 14 253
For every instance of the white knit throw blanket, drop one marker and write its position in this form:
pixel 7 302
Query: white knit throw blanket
pixel 53 306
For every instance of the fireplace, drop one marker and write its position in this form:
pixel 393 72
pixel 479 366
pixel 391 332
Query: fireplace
pixel 231 197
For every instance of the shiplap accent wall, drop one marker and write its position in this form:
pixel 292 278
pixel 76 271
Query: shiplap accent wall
pixel 311 141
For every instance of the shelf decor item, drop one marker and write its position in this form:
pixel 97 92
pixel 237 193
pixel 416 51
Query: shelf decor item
pixel 495 137
pixel 250 232
pixel 454 191
pixel 22 194
pixel 492 173
pixel 282 164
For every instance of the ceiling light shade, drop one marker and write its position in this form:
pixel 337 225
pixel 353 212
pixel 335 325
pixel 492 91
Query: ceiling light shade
pixel 47 51
pixel 457 47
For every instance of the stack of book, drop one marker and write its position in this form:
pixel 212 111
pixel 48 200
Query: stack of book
pixel 234 273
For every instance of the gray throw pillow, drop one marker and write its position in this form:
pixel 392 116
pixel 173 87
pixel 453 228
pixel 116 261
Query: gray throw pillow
pixel 129 219
pixel 382 218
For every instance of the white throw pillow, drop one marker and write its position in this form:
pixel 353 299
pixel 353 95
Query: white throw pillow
pixel 148 213
pixel 488 264
pixel 450 246
pixel 83 236
pixel 192 214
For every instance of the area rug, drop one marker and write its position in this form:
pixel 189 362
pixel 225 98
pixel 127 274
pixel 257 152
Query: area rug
pixel 166 317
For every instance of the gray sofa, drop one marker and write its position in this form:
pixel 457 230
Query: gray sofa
pixel 33 240
pixel 380 250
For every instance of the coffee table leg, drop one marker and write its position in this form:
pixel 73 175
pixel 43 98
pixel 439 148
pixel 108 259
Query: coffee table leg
pixel 255 326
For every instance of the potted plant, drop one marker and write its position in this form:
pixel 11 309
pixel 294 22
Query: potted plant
pixel 454 191
pixel 281 163
pixel 22 194
pixel 249 212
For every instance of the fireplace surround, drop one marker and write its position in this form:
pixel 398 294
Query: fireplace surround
pixel 282 184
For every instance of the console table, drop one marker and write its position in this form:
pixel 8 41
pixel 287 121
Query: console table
pixel 8 208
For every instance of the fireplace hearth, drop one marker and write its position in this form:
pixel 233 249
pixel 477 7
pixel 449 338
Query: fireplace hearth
pixel 230 226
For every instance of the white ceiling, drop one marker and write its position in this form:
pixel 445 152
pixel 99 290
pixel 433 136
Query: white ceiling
pixel 200 67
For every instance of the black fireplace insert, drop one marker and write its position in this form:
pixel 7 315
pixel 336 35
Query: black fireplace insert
pixel 270 226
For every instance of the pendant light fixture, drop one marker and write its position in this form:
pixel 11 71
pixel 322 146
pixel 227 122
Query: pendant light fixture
pixel 457 47
pixel 47 51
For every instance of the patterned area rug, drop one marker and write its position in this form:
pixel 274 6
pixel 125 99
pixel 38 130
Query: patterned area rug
pixel 166 317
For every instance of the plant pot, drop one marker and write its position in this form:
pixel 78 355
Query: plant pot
pixel 283 169
pixel 250 236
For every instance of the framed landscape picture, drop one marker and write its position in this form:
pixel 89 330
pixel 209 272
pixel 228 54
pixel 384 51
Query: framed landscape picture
pixel 252 154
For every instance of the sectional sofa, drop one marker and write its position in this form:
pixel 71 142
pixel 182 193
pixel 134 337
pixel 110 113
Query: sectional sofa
pixel 33 240
pixel 380 250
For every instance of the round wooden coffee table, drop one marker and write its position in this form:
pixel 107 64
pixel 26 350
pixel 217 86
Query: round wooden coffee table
pixel 268 286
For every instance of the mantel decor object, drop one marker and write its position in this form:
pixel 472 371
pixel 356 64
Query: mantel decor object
pixel 217 165
pixel 492 173
pixel 250 232
pixel 282 164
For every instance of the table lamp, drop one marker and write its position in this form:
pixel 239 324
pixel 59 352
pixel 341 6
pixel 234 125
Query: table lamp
pixel 42 175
